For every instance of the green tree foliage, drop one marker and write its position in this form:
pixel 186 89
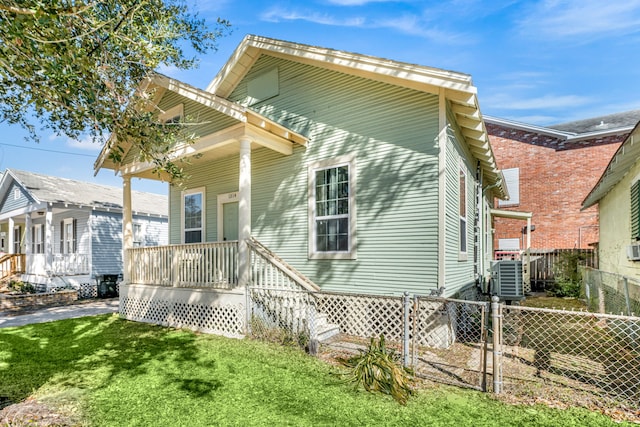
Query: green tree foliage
pixel 76 66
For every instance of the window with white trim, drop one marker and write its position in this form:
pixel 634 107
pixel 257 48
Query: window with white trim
pixel 463 212
pixel 137 234
pixel 332 209
pixel 37 239
pixel 16 194
pixel 68 236
pixel 193 216
pixel 512 180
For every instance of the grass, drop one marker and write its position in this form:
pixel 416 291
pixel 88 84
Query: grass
pixel 558 303
pixel 112 372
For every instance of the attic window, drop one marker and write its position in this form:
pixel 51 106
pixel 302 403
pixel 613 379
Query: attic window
pixel 172 115
pixel 263 87
pixel 16 194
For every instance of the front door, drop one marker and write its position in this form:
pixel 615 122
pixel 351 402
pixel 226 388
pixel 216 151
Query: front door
pixel 230 221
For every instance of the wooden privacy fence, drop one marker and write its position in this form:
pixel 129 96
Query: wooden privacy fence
pixel 544 264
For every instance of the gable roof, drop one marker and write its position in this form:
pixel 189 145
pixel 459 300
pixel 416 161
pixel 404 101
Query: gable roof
pixel 622 161
pixel 579 130
pixel 271 134
pixel 63 191
pixel 457 87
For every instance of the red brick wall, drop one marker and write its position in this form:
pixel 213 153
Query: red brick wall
pixel 555 177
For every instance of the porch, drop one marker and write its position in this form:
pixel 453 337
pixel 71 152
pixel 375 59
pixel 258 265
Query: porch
pixel 58 264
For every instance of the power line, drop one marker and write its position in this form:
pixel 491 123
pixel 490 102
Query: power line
pixel 49 151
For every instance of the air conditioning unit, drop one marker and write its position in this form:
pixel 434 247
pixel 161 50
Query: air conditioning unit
pixel 506 280
pixel 633 252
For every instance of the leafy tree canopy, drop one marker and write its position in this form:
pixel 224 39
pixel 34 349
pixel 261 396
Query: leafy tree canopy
pixel 75 66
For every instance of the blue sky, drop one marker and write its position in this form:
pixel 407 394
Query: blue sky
pixel 539 62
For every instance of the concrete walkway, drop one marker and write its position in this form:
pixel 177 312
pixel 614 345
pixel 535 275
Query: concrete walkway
pixel 50 314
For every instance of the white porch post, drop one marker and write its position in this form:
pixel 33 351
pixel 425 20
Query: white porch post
pixel 27 235
pixel 27 243
pixel 127 228
pixel 10 243
pixel 244 211
pixel 48 237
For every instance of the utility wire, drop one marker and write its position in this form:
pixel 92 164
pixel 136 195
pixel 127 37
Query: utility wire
pixel 50 151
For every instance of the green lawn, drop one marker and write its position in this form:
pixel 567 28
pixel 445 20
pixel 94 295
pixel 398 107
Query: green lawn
pixel 118 373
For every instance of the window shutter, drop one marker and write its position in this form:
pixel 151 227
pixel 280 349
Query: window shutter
pixel 33 239
pixel 42 238
pixel 635 210
pixel 75 235
pixel 61 237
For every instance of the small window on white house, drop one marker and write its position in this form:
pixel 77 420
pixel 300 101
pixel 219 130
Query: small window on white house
pixel 37 239
pixel 16 194
pixel 512 180
pixel 193 216
pixel 68 236
pixel 137 235
pixel 332 209
pixel 172 115
pixel 463 213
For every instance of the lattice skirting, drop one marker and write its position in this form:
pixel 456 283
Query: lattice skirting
pixel 207 311
pixel 86 287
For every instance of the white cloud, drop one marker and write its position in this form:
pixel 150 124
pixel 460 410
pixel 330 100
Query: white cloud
pixel 581 18
pixel 546 102
pixel 86 143
pixel 407 23
pixel 357 2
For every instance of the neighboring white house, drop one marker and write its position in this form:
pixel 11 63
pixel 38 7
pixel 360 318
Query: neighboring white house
pixel 71 231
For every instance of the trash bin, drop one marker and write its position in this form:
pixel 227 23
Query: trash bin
pixel 107 286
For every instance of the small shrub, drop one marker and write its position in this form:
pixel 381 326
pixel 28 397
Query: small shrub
pixel 379 369
pixel 22 287
pixel 567 281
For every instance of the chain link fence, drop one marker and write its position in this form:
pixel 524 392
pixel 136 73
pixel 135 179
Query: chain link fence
pixel 575 357
pixel 441 339
pixel 610 293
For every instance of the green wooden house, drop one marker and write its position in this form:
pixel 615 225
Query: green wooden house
pixel 321 169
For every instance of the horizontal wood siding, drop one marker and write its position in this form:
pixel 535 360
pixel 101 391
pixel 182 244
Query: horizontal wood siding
pixel 107 243
pixel 208 120
pixel 459 271
pixel 9 203
pixel 391 131
pixel 155 230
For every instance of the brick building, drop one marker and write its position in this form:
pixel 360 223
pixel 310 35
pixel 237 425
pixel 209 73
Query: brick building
pixel 549 171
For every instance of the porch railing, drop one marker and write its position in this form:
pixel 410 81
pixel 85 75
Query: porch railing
pixel 61 264
pixel 270 271
pixel 11 264
pixel 208 265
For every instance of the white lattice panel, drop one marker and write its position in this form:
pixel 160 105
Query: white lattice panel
pixel 363 315
pixel 225 319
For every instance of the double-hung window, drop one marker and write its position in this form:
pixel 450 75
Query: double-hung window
pixel 68 236
pixel 37 239
pixel 193 215
pixel 332 209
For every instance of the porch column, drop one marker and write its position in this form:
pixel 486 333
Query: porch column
pixel 27 235
pixel 27 243
pixel 48 237
pixel 127 228
pixel 244 211
pixel 10 242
